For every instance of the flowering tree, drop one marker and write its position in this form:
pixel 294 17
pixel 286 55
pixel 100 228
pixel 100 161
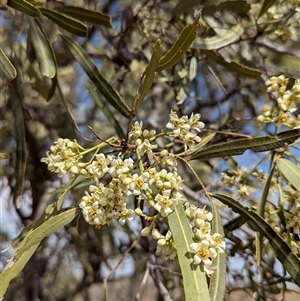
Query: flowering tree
pixel 139 151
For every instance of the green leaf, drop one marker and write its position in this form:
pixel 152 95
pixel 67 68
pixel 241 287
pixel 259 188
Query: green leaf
pixel 220 41
pixel 66 105
pixel 25 8
pixel 21 152
pixel 51 210
pixel 86 15
pixel 107 112
pixel 233 66
pixel 194 280
pixel 261 212
pixel 31 242
pixel 285 61
pixel 290 261
pixel 181 45
pixel 217 283
pixel 43 49
pixel 6 66
pixel 239 7
pixel 238 147
pixel 264 8
pixel 290 171
pixel 149 73
pixel 96 77
pixel 184 6
pixel 69 24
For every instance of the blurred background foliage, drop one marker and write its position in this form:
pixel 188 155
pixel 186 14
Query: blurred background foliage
pixel 45 94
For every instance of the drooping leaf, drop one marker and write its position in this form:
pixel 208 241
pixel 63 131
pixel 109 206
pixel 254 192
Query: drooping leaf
pixel 51 210
pixel 107 112
pixel 238 147
pixel 25 7
pixel 184 6
pixel 264 8
pixel 86 15
pixel 217 283
pixel 6 66
pixel 233 66
pixel 31 242
pixel 66 105
pixel 290 261
pixel 290 171
pixel 261 212
pixel 220 41
pixel 239 7
pixel 68 23
pixel 21 152
pixel 96 77
pixel 194 280
pixel 181 45
pixel 149 73
pixel 285 61
pixel 43 49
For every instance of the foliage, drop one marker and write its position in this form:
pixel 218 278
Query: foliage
pixel 173 129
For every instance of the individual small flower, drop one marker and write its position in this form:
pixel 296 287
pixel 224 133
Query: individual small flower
pixel 118 167
pixel 163 203
pixel 139 183
pixel 166 246
pixel 203 254
pixel 136 130
pixel 99 166
pixel 145 147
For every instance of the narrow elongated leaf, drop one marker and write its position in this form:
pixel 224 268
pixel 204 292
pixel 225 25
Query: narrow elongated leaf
pixel 233 66
pixel 194 280
pixel 43 49
pixel 107 112
pixel 68 23
pixel 181 45
pixel 150 72
pixel 261 212
pixel 51 210
pixel 290 171
pixel 217 283
pixel 290 261
pixel 238 147
pixel 264 8
pixel 86 15
pixel 184 6
pixel 21 152
pixel 285 61
pixel 30 243
pixel 66 105
pixel 6 66
pixel 219 41
pixel 96 77
pixel 238 7
pixel 25 8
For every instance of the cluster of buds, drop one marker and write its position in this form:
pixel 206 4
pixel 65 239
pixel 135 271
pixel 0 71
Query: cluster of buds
pixel 287 101
pixel 145 173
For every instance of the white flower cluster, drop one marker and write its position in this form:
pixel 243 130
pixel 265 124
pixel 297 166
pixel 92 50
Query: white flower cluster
pixel 148 175
pixel 206 245
pixel 64 157
pixel 183 128
pixel 287 101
